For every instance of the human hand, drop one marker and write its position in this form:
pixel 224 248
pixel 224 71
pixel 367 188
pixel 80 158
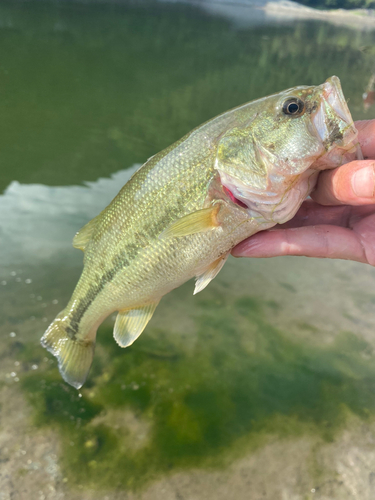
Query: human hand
pixel 339 222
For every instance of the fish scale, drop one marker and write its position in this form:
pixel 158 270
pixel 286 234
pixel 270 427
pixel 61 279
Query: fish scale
pixel 184 210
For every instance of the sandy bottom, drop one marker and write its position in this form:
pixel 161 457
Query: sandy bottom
pixel 330 297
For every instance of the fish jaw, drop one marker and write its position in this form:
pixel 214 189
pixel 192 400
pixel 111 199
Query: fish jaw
pixel 334 126
pixel 271 208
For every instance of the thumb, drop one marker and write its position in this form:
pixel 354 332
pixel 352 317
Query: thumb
pixel 350 184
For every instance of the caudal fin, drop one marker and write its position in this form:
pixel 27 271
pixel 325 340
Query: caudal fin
pixel 74 356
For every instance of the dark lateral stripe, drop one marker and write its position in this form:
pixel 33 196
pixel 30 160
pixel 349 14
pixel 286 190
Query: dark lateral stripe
pixel 86 301
pixel 123 259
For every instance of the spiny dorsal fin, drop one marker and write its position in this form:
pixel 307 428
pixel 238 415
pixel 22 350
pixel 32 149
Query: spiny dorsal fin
pixel 210 273
pixel 131 323
pixel 196 222
pixel 83 236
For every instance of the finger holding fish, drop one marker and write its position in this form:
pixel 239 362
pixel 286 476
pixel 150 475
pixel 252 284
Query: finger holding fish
pixel 340 221
pixel 351 184
pixel 366 137
pixel 317 240
pixel 320 241
pixel 312 214
pixel 354 182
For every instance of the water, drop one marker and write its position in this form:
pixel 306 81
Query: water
pixel 263 385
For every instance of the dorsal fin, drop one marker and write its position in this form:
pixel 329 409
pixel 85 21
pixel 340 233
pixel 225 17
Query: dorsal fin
pixel 83 236
pixel 210 273
pixel 130 323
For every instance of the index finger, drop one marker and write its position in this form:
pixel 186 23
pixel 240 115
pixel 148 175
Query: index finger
pixel 366 137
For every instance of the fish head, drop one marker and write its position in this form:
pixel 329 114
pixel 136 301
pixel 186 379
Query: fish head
pixel 270 157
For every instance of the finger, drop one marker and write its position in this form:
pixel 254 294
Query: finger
pixel 313 214
pixel 366 137
pixel 366 232
pixel 350 184
pixel 312 241
pixel 353 183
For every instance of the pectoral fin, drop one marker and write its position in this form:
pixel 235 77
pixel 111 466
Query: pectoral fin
pixel 196 222
pixel 83 236
pixel 130 323
pixel 210 273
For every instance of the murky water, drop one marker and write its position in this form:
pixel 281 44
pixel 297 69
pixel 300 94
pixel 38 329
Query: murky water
pixel 263 385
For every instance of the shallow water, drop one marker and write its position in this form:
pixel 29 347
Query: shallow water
pixel 262 383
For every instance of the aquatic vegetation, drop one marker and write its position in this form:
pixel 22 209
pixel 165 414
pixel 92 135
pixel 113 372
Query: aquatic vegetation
pixel 177 400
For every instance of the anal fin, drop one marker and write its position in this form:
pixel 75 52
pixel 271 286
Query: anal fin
pixel 130 323
pixel 196 222
pixel 210 273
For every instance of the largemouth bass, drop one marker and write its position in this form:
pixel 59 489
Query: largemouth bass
pixel 183 211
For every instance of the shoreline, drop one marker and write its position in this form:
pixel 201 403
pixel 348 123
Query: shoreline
pixel 358 18
pixel 274 10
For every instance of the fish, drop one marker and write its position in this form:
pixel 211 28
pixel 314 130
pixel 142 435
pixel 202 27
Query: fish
pixel 181 213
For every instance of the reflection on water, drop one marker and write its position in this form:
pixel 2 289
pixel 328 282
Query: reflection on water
pixel 38 221
pixel 268 370
pixel 90 91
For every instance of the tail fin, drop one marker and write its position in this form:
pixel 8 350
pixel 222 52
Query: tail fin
pixel 74 356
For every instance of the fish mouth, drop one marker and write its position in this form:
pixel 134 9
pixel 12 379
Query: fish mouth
pixel 334 95
pixel 228 193
pixel 332 119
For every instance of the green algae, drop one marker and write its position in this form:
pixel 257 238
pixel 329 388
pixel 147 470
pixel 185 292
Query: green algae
pixel 241 381
pixel 289 287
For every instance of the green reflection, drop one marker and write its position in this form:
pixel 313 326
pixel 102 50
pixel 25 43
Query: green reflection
pixel 170 402
pixel 90 90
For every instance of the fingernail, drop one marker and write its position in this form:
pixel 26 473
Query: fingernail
pixel 363 182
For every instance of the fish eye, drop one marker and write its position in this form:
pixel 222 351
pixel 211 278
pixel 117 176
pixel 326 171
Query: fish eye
pixel 293 106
